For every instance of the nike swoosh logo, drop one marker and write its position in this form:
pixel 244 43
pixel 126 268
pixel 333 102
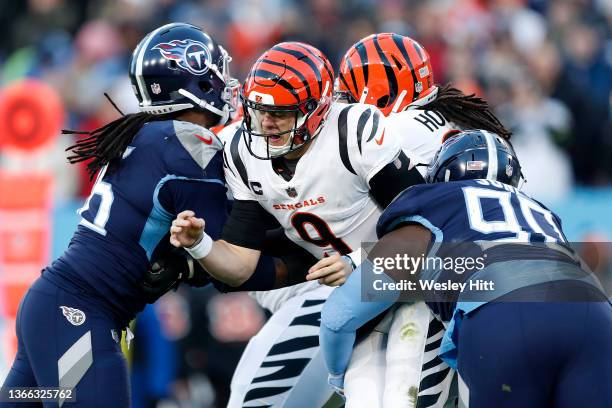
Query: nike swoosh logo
pixel 208 140
pixel 379 141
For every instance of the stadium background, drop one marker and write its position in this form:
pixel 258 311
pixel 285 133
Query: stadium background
pixel 546 67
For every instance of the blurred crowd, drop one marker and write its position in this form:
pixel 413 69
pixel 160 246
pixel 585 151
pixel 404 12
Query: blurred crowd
pixel 545 66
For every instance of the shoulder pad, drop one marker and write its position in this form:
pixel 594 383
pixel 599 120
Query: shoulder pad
pixel 200 143
pixel 227 133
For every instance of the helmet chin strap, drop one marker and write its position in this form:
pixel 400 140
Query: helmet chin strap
pixel 276 151
pixel 223 113
pixel 399 101
pixel 364 95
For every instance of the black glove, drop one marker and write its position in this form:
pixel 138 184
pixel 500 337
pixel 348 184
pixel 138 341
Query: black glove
pixel 168 271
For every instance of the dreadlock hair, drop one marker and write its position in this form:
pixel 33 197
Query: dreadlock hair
pixel 106 144
pixel 468 111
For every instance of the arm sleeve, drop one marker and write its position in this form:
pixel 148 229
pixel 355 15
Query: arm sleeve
pixel 264 278
pixel 288 267
pixel 292 261
pixel 247 225
pixel 394 178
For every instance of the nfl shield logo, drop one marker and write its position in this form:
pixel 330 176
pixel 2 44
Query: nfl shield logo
pixel 258 98
pixel 509 170
pixel 291 192
pixel 418 87
pixel 155 88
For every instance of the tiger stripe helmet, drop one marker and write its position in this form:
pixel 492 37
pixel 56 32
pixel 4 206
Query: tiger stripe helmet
pixel 289 77
pixel 387 70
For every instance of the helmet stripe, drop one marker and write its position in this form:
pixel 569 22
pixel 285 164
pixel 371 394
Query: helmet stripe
pixel 388 70
pixel 341 76
pixel 142 87
pixel 262 73
pixel 352 71
pixel 419 50
pixel 399 43
pixel 295 71
pixel 302 57
pixel 363 56
pixel 492 152
pixel 326 64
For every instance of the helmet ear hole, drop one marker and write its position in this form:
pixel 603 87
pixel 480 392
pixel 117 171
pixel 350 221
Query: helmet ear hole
pixel 205 86
pixel 311 106
pixel 173 64
pixel 382 101
pixel 397 62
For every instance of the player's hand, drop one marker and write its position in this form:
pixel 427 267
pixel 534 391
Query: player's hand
pixel 186 229
pixel 168 271
pixel 332 271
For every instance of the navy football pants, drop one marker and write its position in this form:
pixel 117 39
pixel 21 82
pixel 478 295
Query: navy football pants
pixel 537 354
pixel 58 350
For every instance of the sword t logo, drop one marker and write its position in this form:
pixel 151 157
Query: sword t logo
pixel 76 317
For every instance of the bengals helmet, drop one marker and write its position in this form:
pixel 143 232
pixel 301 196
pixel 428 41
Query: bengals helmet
pixel 389 71
pixel 291 79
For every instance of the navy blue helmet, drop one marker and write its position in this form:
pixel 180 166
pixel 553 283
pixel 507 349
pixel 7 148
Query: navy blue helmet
pixel 475 154
pixel 178 66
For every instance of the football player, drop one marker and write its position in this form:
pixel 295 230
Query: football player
pixel 151 165
pixel 507 354
pixel 394 73
pixel 321 171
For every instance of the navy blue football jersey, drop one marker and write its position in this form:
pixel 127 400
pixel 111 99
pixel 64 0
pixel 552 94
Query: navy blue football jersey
pixel 467 217
pixel 170 166
pixel 472 211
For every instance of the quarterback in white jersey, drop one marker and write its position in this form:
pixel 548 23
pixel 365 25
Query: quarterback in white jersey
pixel 325 207
pixel 330 169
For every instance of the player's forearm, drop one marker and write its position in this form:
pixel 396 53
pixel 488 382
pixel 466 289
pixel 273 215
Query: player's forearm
pixel 344 313
pixel 229 263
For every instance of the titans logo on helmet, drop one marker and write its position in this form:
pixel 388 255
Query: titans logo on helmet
pixel 190 55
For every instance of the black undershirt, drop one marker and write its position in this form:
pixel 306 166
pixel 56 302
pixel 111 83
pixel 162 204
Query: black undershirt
pixel 284 167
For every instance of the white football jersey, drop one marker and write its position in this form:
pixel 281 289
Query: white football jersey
pixel 227 133
pixel 326 206
pixel 420 132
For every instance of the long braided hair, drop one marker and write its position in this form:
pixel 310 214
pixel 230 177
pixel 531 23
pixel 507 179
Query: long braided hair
pixel 106 144
pixel 468 111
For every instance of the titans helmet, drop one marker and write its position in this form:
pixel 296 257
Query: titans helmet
pixel 475 154
pixel 178 66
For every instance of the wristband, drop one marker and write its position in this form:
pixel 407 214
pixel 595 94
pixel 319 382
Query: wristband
pixel 202 248
pixel 349 261
pixel 356 257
